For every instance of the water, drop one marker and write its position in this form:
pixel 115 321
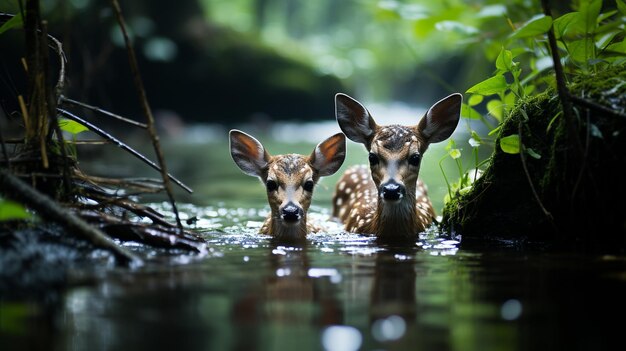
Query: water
pixel 338 291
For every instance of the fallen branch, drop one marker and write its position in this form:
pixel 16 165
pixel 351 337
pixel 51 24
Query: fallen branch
pixel 166 236
pixel 121 145
pixel 17 190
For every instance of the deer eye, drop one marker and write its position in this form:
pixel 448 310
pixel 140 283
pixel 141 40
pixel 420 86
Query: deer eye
pixel 271 185
pixel 373 159
pixel 414 160
pixel 308 185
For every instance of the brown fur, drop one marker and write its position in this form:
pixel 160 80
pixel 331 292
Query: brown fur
pixel 357 201
pixel 290 173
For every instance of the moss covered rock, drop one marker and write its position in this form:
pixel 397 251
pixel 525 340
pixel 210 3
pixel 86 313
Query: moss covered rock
pixel 573 195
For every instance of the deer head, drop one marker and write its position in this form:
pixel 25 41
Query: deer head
pixel 289 179
pixel 395 156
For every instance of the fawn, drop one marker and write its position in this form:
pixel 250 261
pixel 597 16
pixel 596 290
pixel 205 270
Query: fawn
pixel 289 179
pixel 389 201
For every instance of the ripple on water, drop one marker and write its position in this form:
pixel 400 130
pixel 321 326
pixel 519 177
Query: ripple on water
pixel 225 227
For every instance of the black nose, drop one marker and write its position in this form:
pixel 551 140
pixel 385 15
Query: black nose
pixel 393 191
pixel 291 213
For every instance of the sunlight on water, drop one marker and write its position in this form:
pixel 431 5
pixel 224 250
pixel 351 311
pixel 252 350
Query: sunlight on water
pixel 240 226
pixel 336 291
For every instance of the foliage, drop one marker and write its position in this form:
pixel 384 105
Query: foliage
pixel 10 210
pixel 589 40
pixel 15 22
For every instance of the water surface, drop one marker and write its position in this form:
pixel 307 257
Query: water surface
pixel 339 291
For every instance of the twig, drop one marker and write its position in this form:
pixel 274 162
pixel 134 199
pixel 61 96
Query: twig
pixel 594 106
pixel 21 192
pixel 146 110
pixel 64 99
pixel 121 145
pixel 154 235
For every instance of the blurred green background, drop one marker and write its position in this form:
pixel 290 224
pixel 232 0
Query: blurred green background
pixel 270 68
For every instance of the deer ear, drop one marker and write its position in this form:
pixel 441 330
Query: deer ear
pixel 329 155
pixel 354 119
pixel 248 153
pixel 441 119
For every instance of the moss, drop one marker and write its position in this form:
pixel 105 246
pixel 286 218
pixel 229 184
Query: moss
pixel 575 181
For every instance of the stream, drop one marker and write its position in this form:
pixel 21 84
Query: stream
pixel 338 291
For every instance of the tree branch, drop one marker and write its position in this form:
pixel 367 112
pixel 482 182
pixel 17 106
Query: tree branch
pixel 18 190
pixel 121 145
pixel 146 110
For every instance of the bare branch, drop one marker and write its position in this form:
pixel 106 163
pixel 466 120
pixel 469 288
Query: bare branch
pixel 121 145
pixel 64 99
pixel 146 109
pixel 18 190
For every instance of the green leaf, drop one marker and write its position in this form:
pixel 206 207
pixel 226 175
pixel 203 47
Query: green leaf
pixel 621 6
pixel 14 22
pixel 533 153
pixel 490 86
pixel 617 47
pixel 494 130
pixel 504 61
pixel 581 50
pixel 475 100
pixel 71 127
pixel 495 108
pixel 537 25
pixel 590 10
pixel 12 210
pixel 469 112
pixel 510 144
pixel 570 24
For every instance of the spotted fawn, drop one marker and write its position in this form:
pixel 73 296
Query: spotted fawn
pixel 289 179
pixel 389 200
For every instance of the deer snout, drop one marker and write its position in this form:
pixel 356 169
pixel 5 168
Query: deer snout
pixel 392 191
pixel 291 213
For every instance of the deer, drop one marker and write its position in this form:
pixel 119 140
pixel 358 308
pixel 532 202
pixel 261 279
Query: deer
pixel 289 180
pixel 389 200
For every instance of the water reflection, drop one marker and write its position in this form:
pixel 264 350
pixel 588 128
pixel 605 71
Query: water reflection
pixel 280 310
pixel 338 291
pixel 393 293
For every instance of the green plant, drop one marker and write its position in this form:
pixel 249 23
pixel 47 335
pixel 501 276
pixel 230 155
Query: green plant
pixel 588 40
